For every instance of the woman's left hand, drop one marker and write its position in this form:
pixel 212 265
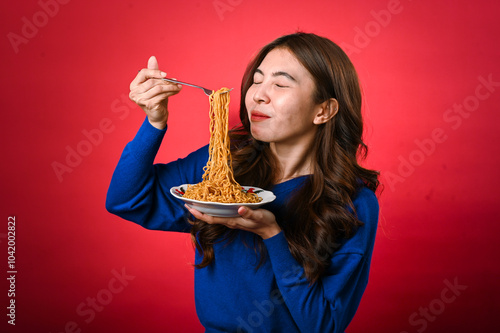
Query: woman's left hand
pixel 259 221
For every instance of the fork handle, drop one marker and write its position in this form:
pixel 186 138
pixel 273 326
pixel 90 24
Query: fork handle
pixel 180 82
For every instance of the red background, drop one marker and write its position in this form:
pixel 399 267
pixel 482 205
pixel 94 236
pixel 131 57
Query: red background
pixel 69 75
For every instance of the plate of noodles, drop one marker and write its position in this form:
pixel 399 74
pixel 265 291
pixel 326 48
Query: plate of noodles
pixel 224 209
pixel 219 194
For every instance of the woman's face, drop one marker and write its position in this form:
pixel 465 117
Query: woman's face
pixel 280 102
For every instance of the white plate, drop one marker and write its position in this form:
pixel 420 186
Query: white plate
pixel 219 208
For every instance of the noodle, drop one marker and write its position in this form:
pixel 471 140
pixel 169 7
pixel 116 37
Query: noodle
pixel 218 183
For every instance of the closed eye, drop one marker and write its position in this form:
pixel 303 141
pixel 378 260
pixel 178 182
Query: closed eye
pixel 277 76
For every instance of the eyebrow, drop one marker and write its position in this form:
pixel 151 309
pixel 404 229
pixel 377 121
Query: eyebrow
pixel 279 73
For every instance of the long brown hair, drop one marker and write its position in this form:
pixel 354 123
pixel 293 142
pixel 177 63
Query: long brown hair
pixel 321 213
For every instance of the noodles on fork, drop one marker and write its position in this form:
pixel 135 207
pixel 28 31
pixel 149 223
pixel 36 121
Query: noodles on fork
pixel 218 183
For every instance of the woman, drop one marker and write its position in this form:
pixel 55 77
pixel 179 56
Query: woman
pixel 300 263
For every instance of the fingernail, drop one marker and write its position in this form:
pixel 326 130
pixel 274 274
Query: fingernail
pixel 163 74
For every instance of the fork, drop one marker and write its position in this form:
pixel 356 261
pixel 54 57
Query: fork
pixel 207 92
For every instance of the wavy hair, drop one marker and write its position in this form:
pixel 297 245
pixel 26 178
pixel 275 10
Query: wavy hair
pixel 325 200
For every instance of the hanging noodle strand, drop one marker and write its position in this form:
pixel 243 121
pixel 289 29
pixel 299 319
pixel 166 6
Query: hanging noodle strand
pixel 218 183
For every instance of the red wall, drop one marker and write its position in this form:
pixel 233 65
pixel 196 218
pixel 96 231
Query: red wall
pixel 431 80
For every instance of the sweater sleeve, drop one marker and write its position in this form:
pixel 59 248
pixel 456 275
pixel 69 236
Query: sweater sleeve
pixel 140 190
pixel 329 304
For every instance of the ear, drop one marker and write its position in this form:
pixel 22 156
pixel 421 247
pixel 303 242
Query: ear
pixel 326 111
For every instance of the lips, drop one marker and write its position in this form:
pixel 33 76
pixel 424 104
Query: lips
pixel 258 116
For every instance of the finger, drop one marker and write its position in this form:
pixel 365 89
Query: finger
pixel 155 103
pixel 196 213
pixel 152 63
pixel 228 222
pixel 152 89
pixel 154 95
pixel 146 74
pixel 203 217
pixel 156 85
pixel 152 71
pixel 246 213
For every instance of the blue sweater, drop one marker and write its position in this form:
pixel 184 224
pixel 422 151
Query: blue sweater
pixel 231 294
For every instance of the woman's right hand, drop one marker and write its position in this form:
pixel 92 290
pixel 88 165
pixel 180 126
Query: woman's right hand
pixel 152 94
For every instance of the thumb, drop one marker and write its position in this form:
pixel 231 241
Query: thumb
pixel 245 212
pixel 152 63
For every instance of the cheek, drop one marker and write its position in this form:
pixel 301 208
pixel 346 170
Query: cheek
pixel 285 107
pixel 249 99
pixel 292 113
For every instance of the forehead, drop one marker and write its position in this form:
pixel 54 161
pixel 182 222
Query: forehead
pixel 282 59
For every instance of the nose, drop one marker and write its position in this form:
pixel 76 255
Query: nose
pixel 261 94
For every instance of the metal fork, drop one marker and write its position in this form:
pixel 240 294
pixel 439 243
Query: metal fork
pixel 207 92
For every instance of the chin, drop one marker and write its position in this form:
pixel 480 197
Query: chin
pixel 259 136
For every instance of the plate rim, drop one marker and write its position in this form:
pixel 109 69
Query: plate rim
pixel 225 204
